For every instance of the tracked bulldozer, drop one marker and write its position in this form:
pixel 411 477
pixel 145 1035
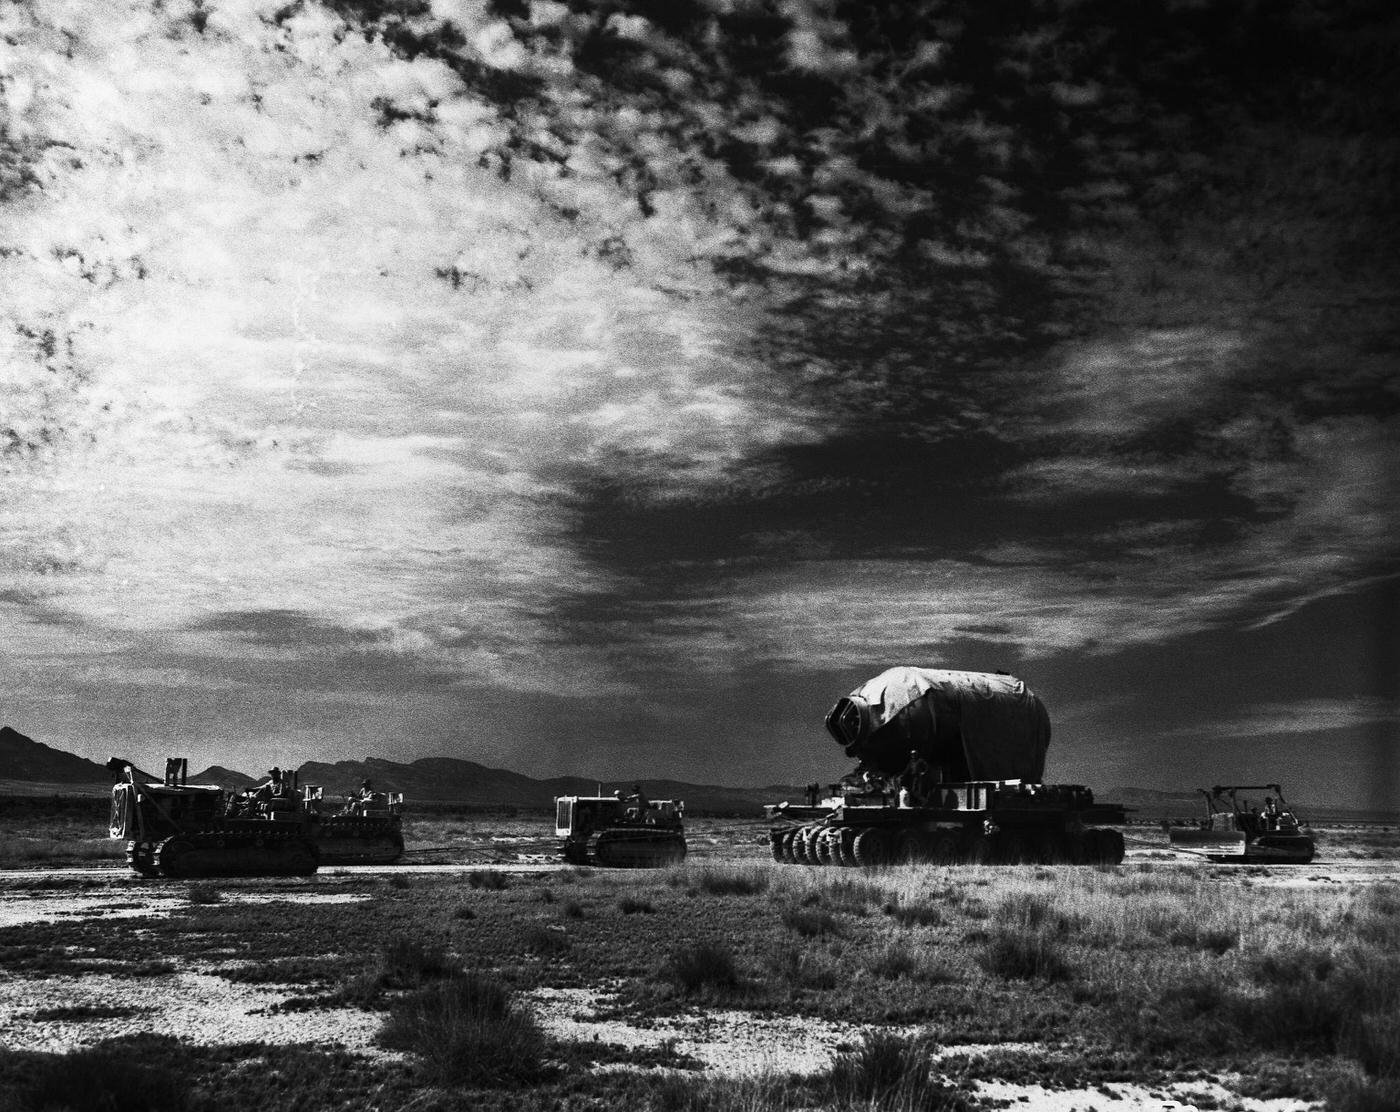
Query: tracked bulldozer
pixel 179 829
pixel 949 770
pixel 1234 832
pixel 367 830
pixel 618 831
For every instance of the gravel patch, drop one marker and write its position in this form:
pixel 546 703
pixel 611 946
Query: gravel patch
pixel 729 1043
pixel 42 907
pixel 1195 1096
pixel 199 1006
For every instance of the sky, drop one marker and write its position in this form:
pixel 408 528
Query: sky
pixel 605 389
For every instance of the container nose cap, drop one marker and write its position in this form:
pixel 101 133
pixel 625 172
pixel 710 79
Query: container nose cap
pixel 849 721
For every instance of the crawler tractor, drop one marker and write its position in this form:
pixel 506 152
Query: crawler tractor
pixel 178 829
pixel 620 831
pixel 949 771
pixel 368 830
pixel 1233 832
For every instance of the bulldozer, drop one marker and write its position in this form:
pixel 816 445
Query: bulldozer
pixel 949 770
pixel 181 830
pixel 367 830
pixel 1234 832
pixel 618 831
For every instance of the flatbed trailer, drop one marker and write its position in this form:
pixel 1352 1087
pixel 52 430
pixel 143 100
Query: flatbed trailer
pixel 986 822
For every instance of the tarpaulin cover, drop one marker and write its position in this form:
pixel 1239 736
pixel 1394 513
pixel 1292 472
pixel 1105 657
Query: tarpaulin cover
pixel 1005 729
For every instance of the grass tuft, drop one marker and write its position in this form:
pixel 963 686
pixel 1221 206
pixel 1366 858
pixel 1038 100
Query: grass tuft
pixel 899 961
pixel 732 881
pixel 468 1031
pixel 77 1013
pixel 1213 940
pixel 544 941
pixel 630 905
pixel 1014 955
pixel 891 1072
pixel 105 1080
pixel 702 965
pixel 406 962
pixel 489 879
pixel 914 914
pixel 811 923
pixel 1373 1040
pixel 804 967
pixel 204 894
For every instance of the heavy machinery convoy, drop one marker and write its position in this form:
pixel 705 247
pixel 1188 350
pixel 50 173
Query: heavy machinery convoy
pixel 620 831
pixel 178 829
pixel 1234 832
pixel 949 771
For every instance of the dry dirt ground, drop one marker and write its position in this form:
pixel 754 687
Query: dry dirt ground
pixel 69 940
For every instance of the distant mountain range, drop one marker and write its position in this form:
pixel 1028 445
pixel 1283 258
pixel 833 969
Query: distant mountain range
pixel 28 767
pixel 429 780
pixel 23 758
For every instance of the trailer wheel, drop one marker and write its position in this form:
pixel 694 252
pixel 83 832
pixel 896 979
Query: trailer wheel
pixel 944 850
pixel 1105 847
pixel 825 847
pixel 1047 849
pixel 775 843
pixel 1011 848
pixel 911 848
pixel 871 848
pixel 979 850
pixel 845 847
pixel 790 845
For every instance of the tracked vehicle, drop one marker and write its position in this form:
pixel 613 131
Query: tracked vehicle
pixel 178 829
pixel 1234 832
pixel 618 831
pixel 368 830
pixel 949 771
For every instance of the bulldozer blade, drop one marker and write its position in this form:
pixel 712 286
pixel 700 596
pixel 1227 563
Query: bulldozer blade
pixel 1217 843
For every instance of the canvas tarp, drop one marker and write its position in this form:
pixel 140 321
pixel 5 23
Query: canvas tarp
pixel 1005 729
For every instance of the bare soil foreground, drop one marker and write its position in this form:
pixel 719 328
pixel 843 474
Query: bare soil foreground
pixel 730 982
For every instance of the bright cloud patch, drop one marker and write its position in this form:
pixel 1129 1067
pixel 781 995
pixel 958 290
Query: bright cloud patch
pixel 278 341
pixel 1311 716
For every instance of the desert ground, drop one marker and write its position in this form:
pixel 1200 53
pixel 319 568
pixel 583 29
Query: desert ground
pixel 483 974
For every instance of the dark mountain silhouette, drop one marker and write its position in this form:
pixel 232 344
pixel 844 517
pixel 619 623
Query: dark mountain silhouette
pixel 23 758
pixel 429 780
pixel 451 780
pixel 448 779
pixel 223 777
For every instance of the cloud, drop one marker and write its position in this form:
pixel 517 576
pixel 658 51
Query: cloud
pixel 282 345
pixel 588 354
pixel 1125 387
pixel 1305 717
